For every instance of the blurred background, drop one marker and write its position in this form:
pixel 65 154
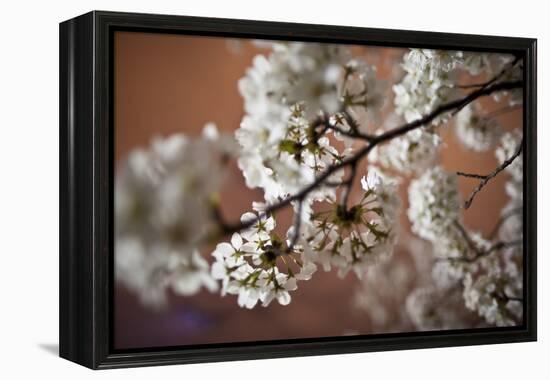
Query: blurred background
pixel 166 84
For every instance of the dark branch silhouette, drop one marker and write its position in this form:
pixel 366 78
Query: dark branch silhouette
pixel 228 228
pixel 486 178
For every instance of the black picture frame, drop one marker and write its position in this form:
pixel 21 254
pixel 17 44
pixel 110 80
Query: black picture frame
pixel 86 189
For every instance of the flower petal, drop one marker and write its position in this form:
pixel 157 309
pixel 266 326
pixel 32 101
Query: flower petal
pixel 283 297
pixel 236 241
pixel 225 249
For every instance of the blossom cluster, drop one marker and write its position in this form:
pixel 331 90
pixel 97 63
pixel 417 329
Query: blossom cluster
pixel 281 149
pixel 250 265
pixel 414 152
pixel 434 204
pixel 432 308
pixel 283 157
pixel 354 238
pixel 362 92
pixel 494 285
pixel 491 283
pixel 156 191
pixel 286 95
pixel 387 285
pixel 476 131
pixel 431 80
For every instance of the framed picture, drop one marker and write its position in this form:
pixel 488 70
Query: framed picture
pixel 237 189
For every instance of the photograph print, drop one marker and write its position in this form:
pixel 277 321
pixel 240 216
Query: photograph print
pixel 274 190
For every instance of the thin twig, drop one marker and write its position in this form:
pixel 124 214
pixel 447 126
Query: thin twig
pixel 467 237
pixel 493 79
pixel 495 247
pixel 486 178
pixel 471 85
pixel 471 175
pixel 506 298
pixel 353 124
pixel 353 134
pixel 501 245
pixel 491 82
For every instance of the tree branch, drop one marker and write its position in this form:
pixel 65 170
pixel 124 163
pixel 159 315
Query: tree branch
pixel 353 134
pixel 495 247
pixel 457 104
pixel 467 237
pixel 486 178
pixel 495 78
pixel 228 228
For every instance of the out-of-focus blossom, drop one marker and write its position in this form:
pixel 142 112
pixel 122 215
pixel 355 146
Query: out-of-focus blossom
pixel 163 197
pixel 434 203
pixel 415 151
pixel 475 131
pixel 509 144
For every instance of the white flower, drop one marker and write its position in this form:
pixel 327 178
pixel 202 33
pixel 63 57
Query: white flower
pixel 372 181
pixel 384 188
pixel 435 61
pixel 293 72
pixel 508 68
pixel 427 84
pixel 162 201
pixel 283 146
pixel 190 274
pixel 362 91
pixel 509 145
pixel 355 237
pixel 384 286
pixel 447 273
pixel 248 266
pixel 490 63
pixel 306 271
pixel 277 286
pixel 512 213
pixel 475 131
pixel 140 271
pixel 486 295
pixel 413 152
pixel 230 264
pixel 434 203
pixel 260 229
pixel 430 308
pixel 248 297
pixel 454 252
pixel 420 306
pixel 283 157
